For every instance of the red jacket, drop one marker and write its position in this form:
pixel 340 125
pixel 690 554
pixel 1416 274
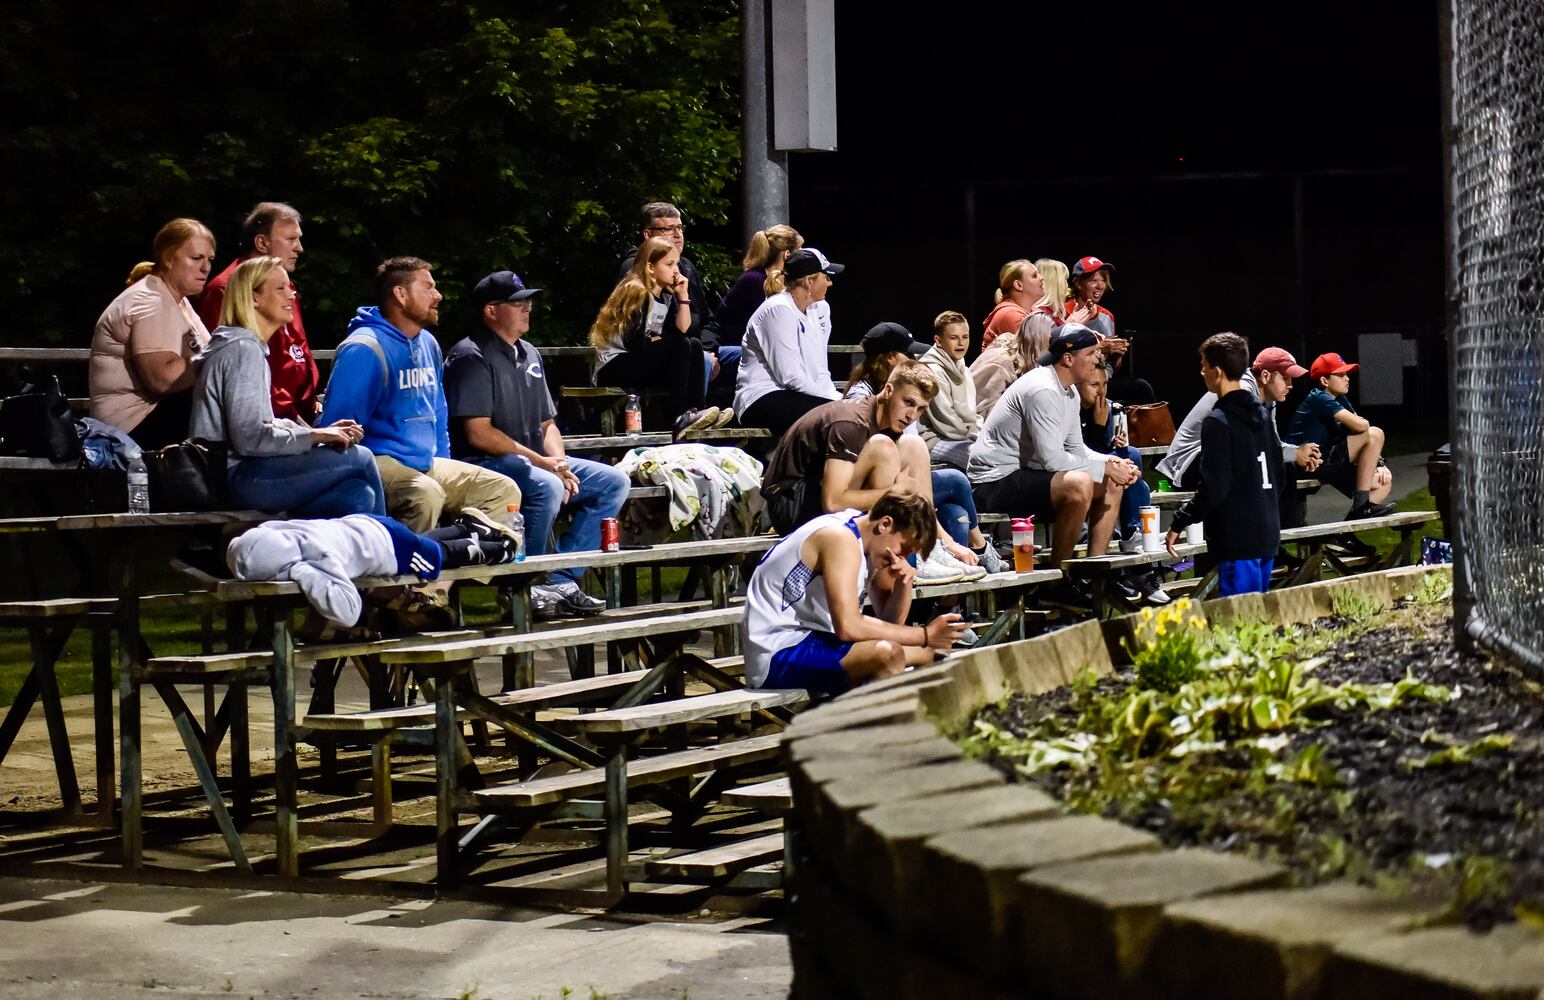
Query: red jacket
pixel 1005 317
pixel 295 380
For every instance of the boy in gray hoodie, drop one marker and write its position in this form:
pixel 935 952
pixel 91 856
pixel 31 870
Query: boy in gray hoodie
pixel 949 424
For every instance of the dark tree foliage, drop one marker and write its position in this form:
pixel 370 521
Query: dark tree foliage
pixel 476 135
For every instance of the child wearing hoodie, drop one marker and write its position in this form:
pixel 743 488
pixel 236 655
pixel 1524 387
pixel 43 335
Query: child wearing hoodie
pixel 949 424
pixel 1240 475
pixel 274 464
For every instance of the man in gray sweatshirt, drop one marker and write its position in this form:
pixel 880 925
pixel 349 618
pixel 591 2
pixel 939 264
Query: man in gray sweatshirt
pixel 1030 457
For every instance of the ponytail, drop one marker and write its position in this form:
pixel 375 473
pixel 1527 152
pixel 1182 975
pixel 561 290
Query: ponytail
pixel 141 269
pixel 769 243
pixel 774 283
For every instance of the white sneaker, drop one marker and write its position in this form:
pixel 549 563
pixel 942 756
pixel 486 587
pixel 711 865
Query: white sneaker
pixel 990 560
pixel 1132 543
pixel 935 572
pixel 967 572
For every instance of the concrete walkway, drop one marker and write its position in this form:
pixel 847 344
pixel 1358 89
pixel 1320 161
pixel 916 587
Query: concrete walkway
pixel 1409 475
pixel 65 939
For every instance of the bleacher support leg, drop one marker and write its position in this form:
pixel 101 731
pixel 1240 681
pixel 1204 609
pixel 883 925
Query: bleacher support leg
pixel 241 754
pixel 616 819
pixel 286 778
pixel 132 835
pixel 102 712
pixel 446 731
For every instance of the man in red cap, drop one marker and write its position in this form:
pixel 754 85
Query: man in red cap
pixel 1352 446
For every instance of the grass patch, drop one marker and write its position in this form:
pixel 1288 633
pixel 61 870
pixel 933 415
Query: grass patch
pixel 1385 538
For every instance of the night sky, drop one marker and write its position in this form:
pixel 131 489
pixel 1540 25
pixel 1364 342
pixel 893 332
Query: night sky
pixel 1190 149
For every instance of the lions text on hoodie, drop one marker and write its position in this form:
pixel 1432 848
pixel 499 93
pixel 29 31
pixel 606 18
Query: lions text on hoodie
pixel 395 393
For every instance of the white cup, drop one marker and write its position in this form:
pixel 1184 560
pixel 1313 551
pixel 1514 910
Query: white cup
pixel 1152 538
pixel 1194 535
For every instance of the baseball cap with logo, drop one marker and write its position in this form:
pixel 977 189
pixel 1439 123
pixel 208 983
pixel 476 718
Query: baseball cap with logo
pixel 502 286
pixel 1069 337
pixel 1330 364
pixel 1275 359
pixel 808 261
pixel 886 337
pixel 1088 265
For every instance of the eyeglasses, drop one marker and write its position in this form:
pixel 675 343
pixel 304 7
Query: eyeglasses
pixel 677 228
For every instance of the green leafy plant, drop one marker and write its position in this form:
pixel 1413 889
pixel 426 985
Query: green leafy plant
pixel 1354 605
pixel 1167 650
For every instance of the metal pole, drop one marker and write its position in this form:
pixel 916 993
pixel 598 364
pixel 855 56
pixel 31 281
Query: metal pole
pixel 1458 481
pixel 765 170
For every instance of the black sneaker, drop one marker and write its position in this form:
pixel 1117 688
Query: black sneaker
pixel 693 421
pixel 545 605
pixel 482 527
pixel 1067 594
pixel 1369 509
pixel 572 599
pixel 1352 546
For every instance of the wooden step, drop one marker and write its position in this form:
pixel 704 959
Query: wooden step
pixel 641 772
pixel 718 862
pixel 679 711
pixel 773 797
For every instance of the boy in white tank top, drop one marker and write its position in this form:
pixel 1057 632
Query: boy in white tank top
pixel 804 621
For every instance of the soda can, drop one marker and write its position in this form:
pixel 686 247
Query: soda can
pixel 610 535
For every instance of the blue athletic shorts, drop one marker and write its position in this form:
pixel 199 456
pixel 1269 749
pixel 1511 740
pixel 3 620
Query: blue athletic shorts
pixel 1244 576
pixel 815 664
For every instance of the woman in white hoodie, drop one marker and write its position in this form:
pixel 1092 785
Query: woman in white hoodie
pixel 949 423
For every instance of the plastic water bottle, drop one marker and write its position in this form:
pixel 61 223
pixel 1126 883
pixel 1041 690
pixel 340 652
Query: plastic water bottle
pixel 632 416
pixel 515 521
pixel 139 486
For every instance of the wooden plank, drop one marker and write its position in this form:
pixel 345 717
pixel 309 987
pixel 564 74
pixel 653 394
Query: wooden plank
pixel 471 649
pixel 1174 498
pixel 774 797
pixel 657 715
pixel 992 581
pixel 718 862
pixel 24 355
pixel 222 663
pixel 719 548
pixel 64 607
pixel 641 772
pixel 183 519
pixel 22 463
pixel 1401 519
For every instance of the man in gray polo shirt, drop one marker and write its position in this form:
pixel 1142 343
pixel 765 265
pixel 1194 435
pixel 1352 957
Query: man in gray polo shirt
pixel 502 417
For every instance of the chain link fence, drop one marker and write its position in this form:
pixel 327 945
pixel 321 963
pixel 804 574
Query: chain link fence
pixel 1497 199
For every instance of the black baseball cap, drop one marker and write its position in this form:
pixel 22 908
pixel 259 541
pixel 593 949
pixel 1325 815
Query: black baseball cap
pixel 808 261
pixel 886 337
pixel 1069 338
pixel 502 286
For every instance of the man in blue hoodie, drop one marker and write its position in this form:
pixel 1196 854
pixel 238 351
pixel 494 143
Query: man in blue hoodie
pixel 388 378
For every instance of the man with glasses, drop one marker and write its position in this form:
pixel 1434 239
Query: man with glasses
pixel 662 220
pixel 502 418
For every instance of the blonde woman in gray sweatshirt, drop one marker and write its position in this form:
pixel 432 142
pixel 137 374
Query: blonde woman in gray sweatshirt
pixel 274 464
pixel 949 423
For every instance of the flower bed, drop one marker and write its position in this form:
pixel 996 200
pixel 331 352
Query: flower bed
pixel 1361 746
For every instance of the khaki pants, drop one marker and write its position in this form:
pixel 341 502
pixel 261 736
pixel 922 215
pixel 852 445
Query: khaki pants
pixel 418 498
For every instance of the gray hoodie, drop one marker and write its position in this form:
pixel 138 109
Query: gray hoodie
pixel 951 416
pixel 232 401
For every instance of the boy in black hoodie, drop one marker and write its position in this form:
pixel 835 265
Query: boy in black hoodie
pixel 1240 475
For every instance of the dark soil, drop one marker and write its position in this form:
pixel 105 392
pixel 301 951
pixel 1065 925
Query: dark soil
pixel 1473 830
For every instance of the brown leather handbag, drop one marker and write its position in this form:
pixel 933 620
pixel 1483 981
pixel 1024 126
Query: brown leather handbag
pixel 1150 424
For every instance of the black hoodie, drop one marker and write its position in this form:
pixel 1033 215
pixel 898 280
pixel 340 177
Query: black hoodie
pixel 1240 480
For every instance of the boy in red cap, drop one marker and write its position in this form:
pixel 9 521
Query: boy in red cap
pixel 1351 445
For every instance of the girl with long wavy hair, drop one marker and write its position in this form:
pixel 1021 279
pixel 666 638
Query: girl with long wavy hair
pixel 641 342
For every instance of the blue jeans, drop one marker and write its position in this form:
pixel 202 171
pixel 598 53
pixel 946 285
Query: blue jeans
pixel 317 483
pixel 602 491
pixel 955 506
pixel 728 366
pixel 1137 495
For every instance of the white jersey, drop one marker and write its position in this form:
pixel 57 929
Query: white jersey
pixel 786 600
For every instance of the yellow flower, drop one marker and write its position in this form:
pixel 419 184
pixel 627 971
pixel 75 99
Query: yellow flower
pixel 1147 614
pixel 1198 623
pixel 1182 605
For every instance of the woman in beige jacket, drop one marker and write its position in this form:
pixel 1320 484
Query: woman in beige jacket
pixel 1008 358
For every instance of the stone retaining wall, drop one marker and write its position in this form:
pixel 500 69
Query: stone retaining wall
pixel 918 873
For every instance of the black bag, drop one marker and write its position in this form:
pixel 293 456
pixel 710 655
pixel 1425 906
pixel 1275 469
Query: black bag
pixel 188 477
pixel 37 422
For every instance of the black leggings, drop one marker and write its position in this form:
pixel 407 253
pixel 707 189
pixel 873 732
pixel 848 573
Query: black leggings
pixel 167 423
pixel 779 410
pixel 673 363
